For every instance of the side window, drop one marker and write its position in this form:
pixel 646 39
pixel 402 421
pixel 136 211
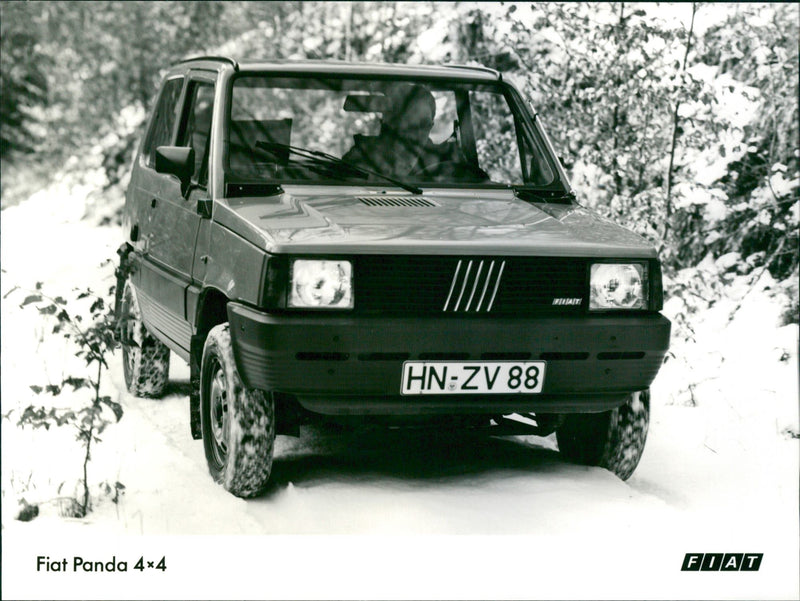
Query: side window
pixel 166 115
pixel 539 172
pixel 196 126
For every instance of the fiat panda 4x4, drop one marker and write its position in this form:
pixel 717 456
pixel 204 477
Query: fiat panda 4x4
pixel 385 243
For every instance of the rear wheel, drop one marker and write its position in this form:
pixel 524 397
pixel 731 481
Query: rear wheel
pixel 612 439
pixel 238 424
pixel 145 359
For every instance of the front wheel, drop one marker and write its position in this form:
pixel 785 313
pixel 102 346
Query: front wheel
pixel 612 439
pixel 237 423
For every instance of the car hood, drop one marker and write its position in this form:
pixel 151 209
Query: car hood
pixel 469 222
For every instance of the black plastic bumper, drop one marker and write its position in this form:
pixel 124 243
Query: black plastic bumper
pixel 335 364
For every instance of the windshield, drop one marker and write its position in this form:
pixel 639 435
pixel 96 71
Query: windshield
pixel 432 132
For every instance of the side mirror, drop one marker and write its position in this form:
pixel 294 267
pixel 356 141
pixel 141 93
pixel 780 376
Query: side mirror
pixel 176 160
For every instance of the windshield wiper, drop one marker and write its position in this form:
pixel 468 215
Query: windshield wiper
pixel 532 194
pixel 324 158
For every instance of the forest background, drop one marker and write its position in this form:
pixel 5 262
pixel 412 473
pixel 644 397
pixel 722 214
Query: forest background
pixel 678 121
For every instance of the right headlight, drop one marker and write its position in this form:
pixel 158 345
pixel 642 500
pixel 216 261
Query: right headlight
pixel 321 284
pixel 618 286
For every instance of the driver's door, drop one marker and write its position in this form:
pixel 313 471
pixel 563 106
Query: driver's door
pixel 175 221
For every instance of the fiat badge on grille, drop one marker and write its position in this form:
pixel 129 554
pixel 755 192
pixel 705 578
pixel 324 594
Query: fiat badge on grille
pixel 567 301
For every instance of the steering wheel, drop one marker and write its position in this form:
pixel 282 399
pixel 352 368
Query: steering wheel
pixel 455 169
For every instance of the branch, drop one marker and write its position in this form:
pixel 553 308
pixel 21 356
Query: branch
pixel 767 261
pixel 7 294
pixel 73 325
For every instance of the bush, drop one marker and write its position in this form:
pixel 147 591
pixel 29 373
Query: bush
pixel 95 340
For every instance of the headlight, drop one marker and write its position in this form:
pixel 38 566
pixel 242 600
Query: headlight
pixel 322 284
pixel 618 286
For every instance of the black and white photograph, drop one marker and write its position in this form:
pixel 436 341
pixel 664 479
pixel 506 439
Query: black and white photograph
pixel 399 300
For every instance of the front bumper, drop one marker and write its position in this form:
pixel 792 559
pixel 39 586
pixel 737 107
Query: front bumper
pixel 343 365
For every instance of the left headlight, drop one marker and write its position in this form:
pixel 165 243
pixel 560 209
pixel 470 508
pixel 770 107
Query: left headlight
pixel 618 286
pixel 321 284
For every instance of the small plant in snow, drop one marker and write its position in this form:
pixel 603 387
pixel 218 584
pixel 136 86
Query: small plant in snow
pixel 95 342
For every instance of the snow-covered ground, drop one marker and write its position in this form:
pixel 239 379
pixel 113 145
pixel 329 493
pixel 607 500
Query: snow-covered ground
pixel 406 516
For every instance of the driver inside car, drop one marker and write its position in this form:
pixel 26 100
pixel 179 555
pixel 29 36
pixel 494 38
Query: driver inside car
pixel 403 147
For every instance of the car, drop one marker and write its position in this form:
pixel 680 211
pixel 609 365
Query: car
pixel 392 245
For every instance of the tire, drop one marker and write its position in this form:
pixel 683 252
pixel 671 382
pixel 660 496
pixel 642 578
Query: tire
pixel 613 440
pixel 237 423
pixel 145 359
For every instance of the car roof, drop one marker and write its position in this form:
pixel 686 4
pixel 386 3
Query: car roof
pixel 330 67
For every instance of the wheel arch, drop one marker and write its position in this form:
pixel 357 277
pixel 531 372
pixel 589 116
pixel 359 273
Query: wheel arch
pixel 212 310
pixel 121 274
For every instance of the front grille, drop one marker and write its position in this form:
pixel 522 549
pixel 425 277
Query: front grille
pixel 474 281
pixel 425 285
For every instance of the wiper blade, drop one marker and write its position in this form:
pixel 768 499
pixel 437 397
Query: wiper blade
pixel 530 193
pixel 328 159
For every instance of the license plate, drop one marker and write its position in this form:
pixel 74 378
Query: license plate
pixel 476 377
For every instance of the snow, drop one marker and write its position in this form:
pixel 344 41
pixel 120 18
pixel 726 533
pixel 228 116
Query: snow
pixel 432 44
pixel 404 515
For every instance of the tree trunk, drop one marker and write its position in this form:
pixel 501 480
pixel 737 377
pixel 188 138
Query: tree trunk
pixel 86 457
pixel 675 122
pixel 615 119
pixel 89 436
